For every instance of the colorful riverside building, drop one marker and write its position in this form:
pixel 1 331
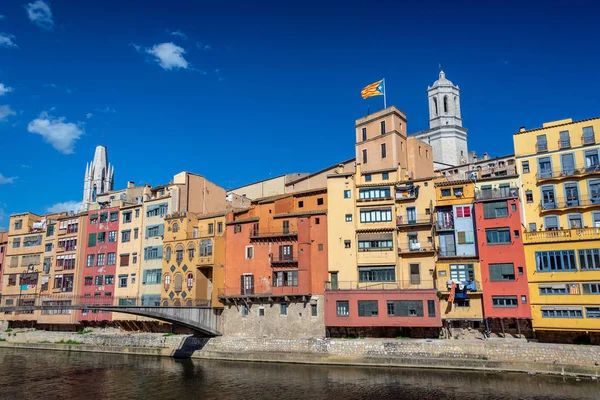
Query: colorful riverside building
pixel 3 243
pixel 501 255
pixel 380 240
pixel 560 176
pixel 194 259
pixel 276 266
pixel 457 273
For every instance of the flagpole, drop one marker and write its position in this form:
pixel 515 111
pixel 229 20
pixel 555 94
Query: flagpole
pixel 384 95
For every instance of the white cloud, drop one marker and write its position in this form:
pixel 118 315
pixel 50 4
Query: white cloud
pixel 4 89
pixel 106 110
pixel 7 40
pixel 40 14
pixel 204 47
pixel 169 56
pixel 64 207
pixel 61 135
pixel 5 112
pixel 177 33
pixel 89 115
pixel 5 179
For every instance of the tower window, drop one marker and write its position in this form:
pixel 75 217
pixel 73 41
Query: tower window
pixel 445 104
pixel 382 127
pixel 383 152
pixel 364 134
pixel 364 154
pixel 435 106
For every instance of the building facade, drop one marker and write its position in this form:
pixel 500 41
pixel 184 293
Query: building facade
pixel 3 243
pixel 481 168
pixel 560 177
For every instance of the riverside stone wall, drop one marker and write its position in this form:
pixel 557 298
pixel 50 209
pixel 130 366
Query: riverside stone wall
pixel 500 350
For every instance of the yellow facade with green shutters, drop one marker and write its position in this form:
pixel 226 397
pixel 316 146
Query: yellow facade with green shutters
pixel 560 183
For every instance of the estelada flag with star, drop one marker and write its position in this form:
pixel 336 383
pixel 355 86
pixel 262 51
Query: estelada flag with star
pixel 374 89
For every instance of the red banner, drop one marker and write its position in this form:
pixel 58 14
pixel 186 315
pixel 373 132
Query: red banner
pixel 452 291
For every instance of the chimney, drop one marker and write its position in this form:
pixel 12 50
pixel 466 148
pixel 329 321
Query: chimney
pixel 486 156
pixel 522 129
pixel 130 185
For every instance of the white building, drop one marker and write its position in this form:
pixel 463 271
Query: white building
pixel 98 179
pixel 445 135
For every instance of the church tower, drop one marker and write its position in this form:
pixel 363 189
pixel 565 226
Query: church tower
pixel 98 177
pixel 446 134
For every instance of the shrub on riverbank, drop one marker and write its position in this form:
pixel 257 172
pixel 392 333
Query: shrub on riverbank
pixel 68 342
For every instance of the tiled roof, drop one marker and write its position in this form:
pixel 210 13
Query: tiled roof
pixel 242 221
pixel 554 126
pixel 300 214
pixel 211 215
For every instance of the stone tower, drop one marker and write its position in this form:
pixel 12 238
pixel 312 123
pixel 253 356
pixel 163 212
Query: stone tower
pixel 446 134
pixel 98 177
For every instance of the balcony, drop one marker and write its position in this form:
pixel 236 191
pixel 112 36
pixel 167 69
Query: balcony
pixel 408 192
pixel 414 220
pixel 373 199
pixel 497 194
pixel 450 252
pixel 416 248
pixel 577 171
pixel 277 260
pixel 541 147
pixel 587 139
pixel 256 234
pixel 564 143
pixel 260 292
pixel 561 235
pixel 570 203
pixel 465 287
pixel 410 284
pixel 444 225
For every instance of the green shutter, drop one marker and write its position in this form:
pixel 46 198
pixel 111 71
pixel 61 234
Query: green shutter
pixel 92 240
pixel 161 230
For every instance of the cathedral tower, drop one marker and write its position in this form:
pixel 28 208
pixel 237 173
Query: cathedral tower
pixel 98 177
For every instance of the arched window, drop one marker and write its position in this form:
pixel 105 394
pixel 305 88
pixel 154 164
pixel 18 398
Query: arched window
pixel 190 280
pixel 175 227
pixel 179 253
pixel 206 248
pixel 177 303
pixel 167 281
pixel 177 283
pixel 168 254
pixel 165 303
pixel 456 104
pixel 191 251
pixel 445 104
pixel 435 106
pixel 188 303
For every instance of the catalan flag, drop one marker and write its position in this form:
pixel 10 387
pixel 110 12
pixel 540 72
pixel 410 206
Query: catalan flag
pixel 374 89
pixel 573 288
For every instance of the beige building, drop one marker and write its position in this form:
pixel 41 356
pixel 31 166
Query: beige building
pixel 266 187
pixel 318 180
pixel 481 168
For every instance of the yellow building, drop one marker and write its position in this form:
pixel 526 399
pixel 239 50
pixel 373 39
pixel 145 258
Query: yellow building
pixel 457 261
pixel 194 257
pixel 560 177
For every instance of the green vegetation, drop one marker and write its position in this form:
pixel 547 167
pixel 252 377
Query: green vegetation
pixel 68 342
pixel 45 341
pixel 8 330
pixel 2 340
pixel 169 334
pixel 84 331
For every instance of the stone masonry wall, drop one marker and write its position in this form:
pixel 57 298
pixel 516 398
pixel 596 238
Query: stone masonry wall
pixel 503 350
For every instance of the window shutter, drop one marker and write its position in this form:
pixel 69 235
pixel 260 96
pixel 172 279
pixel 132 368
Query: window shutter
pixel 160 250
pixel 252 283
pixel 242 284
pixel 280 252
pixel 92 240
pixel 161 230
pixel 462 238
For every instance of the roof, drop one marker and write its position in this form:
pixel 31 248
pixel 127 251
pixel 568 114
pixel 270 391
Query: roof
pixel 254 183
pixel 344 175
pixel 300 214
pixel 452 183
pixel 320 171
pixel 242 221
pixel 554 126
pixel 211 215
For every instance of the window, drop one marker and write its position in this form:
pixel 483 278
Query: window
pixel 498 236
pixel 377 274
pixel 206 248
pixel 463 212
pixel 502 272
pixel 347 244
pixel 153 253
pixel 90 260
pixel 285 278
pixel 320 201
pixel 192 249
pixel 16 243
pixel 553 289
pixel 134 259
pixel 283 307
pixel 591 160
pixel 342 308
pixel 101 237
pixel 137 213
pixel 237 228
pixel 375 242
pixel 368 178
pixel 249 252
pixel 103 218
pixel 465 237
pixel 385 176
pixel 589 259
pixel 529 196
pixel 124 260
pixel 551 222
pixel 588 135
pixel 100 260
pixel 168 253
pixel 364 156
pixel 562 312
pixel 50 230
pixel 135 233
pixel 383 152
pixel 382 123
pixel 374 193
pixel 364 134
pixel 179 253
pixel 462 272
pixel 109 279
pixel 516 233
pixel 114 216
pixel 542 144
pixel 219 227
pixel 525 166
pixel 504 301
pixel 405 308
pixel 445 192
pixel 313 310
pixel 300 204
pixel 167 281
pixel 376 215
pixel 320 246
pixel 190 281
pixel 346 194
pixel 592 312
pixel 545 167
pixel 564 139
pixel 94 219
pixel 111 258
pixel 317 221
pixel 112 236
pixel 244 311
pixel 495 209
pixel 98 280
pixel 123 281
pixel 211 228
pixel 157 210
pixel 575 221
pixel 177 283
pixel 126 217
pixel 175 227
pixel 47 247
pixel 154 231
pixel 368 308
pixel 415 274
pixel 462 303
pixel 152 276
pixel 88 281
pixel 560 260
pixel 18 224
pixel 458 191
pixel 125 236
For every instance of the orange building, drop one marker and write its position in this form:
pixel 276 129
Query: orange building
pixel 276 266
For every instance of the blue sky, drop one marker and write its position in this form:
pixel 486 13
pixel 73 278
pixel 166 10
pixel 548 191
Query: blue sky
pixel 242 91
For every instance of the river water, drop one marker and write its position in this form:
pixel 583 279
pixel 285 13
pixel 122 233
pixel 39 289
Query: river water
pixel 38 374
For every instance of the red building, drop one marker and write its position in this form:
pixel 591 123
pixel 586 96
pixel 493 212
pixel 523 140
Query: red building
pixel 502 258
pixel 98 275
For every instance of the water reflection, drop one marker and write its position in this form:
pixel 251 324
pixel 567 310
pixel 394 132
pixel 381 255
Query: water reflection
pixel 36 374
